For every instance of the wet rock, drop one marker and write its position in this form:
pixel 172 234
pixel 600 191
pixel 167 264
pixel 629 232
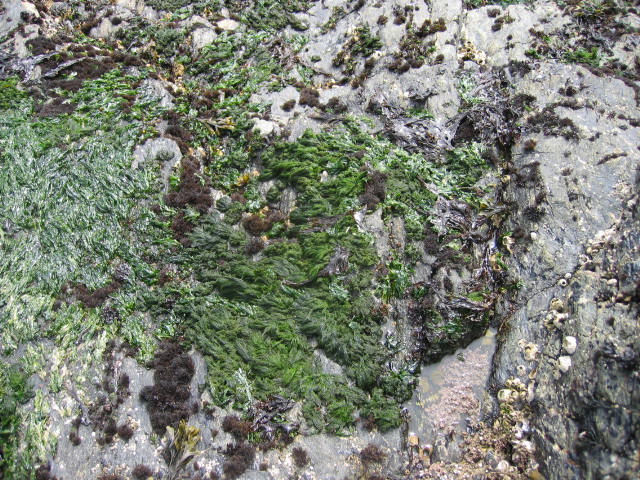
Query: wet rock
pixel 201 37
pixel 154 90
pixel 163 150
pixel 228 25
pixel 569 344
pixel 11 16
pixel 580 226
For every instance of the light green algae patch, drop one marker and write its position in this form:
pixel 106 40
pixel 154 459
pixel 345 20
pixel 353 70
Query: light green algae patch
pixel 73 214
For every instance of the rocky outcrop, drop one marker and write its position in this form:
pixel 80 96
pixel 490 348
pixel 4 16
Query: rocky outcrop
pixel 544 247
pixel 571 336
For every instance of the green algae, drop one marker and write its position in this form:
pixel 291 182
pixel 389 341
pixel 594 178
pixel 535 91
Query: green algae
pixel 263 322
pixel 245 318
pixel 260 319
pixel 256 318
pixel 590 56
pixel 74 214
pixel 71 204
pixel 14 391
pixel 273 15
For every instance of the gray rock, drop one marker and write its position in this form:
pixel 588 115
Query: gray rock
pixel 201 37
pixel 84 461
pixel 163 150
pixel 11 18
pixel 103 30
pixel 266 127
pixel 585 226
pixel 228 25
pixel 477 29
pixel 154 90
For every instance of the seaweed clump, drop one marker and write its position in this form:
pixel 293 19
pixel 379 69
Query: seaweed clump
pixel 374 190
pixel 413 52
pixel 300 457
pixel 97 297
pixel 310 97
pixel 236 427
pixel 193 191
pixel 125 432
pixel 168 399
pixel 268 308
pixel 372 454
pixel 288 105
pixel 548 122
pixel 141 472
pixel 240 458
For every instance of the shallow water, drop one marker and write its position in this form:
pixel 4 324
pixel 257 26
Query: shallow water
pixel 449 392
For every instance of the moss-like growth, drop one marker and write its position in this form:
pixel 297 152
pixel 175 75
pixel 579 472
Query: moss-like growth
pixel 240 457
pixel 13 392
pixel 236 427
pixel 300 457
pixel 310 97
pixel 288 105
pixel 125 432
pixel 142 472
pixel 372 454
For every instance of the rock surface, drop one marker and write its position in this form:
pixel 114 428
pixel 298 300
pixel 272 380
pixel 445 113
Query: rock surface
pixel 564 389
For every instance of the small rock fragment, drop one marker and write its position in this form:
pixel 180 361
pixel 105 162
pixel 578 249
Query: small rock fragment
pixel 202 37
pixel 569 344
pixel 228 25
pixel 564 363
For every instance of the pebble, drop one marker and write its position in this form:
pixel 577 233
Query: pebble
pixel 564 363
pixel 228 25
pixel 569 344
